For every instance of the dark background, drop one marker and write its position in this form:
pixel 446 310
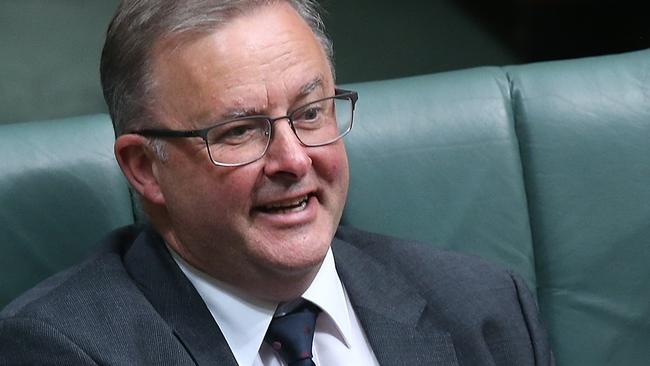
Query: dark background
pixel 49 50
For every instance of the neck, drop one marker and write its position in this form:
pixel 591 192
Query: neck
pixel 262 283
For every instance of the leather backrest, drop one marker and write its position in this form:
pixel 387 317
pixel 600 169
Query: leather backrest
pixel 439 158
pixel 584 132
pixel 60 192
pixel 435 158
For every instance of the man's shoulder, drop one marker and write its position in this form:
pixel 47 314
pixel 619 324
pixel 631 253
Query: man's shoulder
pixel 486 310
pixel 422 263
pixel 94 280
pixel 94 313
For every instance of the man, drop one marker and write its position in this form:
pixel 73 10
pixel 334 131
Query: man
pixel 229 130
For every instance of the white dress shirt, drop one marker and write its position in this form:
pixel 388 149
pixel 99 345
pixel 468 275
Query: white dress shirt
pixel 339 339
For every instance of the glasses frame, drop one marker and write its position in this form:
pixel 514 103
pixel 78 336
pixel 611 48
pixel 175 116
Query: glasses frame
pixel 202 133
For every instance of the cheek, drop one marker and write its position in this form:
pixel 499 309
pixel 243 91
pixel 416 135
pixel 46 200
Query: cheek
pixel 340 165
pixel 332 166
pixel 231 190
pixel 211 192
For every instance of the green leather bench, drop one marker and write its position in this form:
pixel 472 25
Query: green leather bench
pixel 544 168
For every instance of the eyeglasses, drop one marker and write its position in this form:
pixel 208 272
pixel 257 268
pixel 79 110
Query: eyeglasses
pixel 241 141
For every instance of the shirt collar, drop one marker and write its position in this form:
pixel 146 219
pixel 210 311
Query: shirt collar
pixel 326 291
pixel 243 320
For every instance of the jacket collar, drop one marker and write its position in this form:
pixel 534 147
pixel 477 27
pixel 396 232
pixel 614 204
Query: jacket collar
pixel 176 300
pixel 393 314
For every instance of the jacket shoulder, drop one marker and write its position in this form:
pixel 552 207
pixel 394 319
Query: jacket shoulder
pixel 422 262
pixel 488 311
pixel 93 313
pixel 89 280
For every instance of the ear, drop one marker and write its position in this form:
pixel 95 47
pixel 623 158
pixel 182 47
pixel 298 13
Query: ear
pixel 136 159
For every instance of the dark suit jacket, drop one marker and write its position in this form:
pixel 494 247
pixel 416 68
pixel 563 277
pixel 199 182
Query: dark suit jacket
pixel 131 305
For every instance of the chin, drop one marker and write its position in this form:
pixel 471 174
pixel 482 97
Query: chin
pixel 299 257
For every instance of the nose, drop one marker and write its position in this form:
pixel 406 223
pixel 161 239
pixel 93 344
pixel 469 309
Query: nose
pixel 286 156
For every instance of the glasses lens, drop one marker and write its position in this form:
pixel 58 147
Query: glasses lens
pixel 324 121
pixel 240 141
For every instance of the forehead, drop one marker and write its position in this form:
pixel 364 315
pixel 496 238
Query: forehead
pixel 259 60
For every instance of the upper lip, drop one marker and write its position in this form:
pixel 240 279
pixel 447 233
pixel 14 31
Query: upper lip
pixel 285 202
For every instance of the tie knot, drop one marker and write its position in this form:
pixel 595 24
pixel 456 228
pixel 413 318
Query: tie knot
pixel 292 334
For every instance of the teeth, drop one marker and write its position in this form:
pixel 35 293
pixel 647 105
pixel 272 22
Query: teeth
pixel 297 204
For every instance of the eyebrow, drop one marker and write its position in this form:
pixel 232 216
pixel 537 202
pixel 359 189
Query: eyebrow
pixel 311 86
pixel 240 112
pixel 305 90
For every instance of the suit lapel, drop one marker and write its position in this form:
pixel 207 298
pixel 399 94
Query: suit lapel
pixel 394 316
pixel 176 300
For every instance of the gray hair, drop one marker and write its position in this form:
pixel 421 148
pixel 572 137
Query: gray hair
pixel 126 63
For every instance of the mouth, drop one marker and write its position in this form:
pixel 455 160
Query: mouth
pixel 287 206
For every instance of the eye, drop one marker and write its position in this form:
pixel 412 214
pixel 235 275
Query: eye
pixel 237 132
pixel 310 114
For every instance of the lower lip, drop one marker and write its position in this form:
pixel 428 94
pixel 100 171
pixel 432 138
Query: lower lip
pixel 291 218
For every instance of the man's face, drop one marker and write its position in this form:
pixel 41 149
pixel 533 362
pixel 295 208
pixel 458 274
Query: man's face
pixel 245 225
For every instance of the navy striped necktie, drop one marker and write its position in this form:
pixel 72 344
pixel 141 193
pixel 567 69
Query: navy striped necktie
pixel 292 335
